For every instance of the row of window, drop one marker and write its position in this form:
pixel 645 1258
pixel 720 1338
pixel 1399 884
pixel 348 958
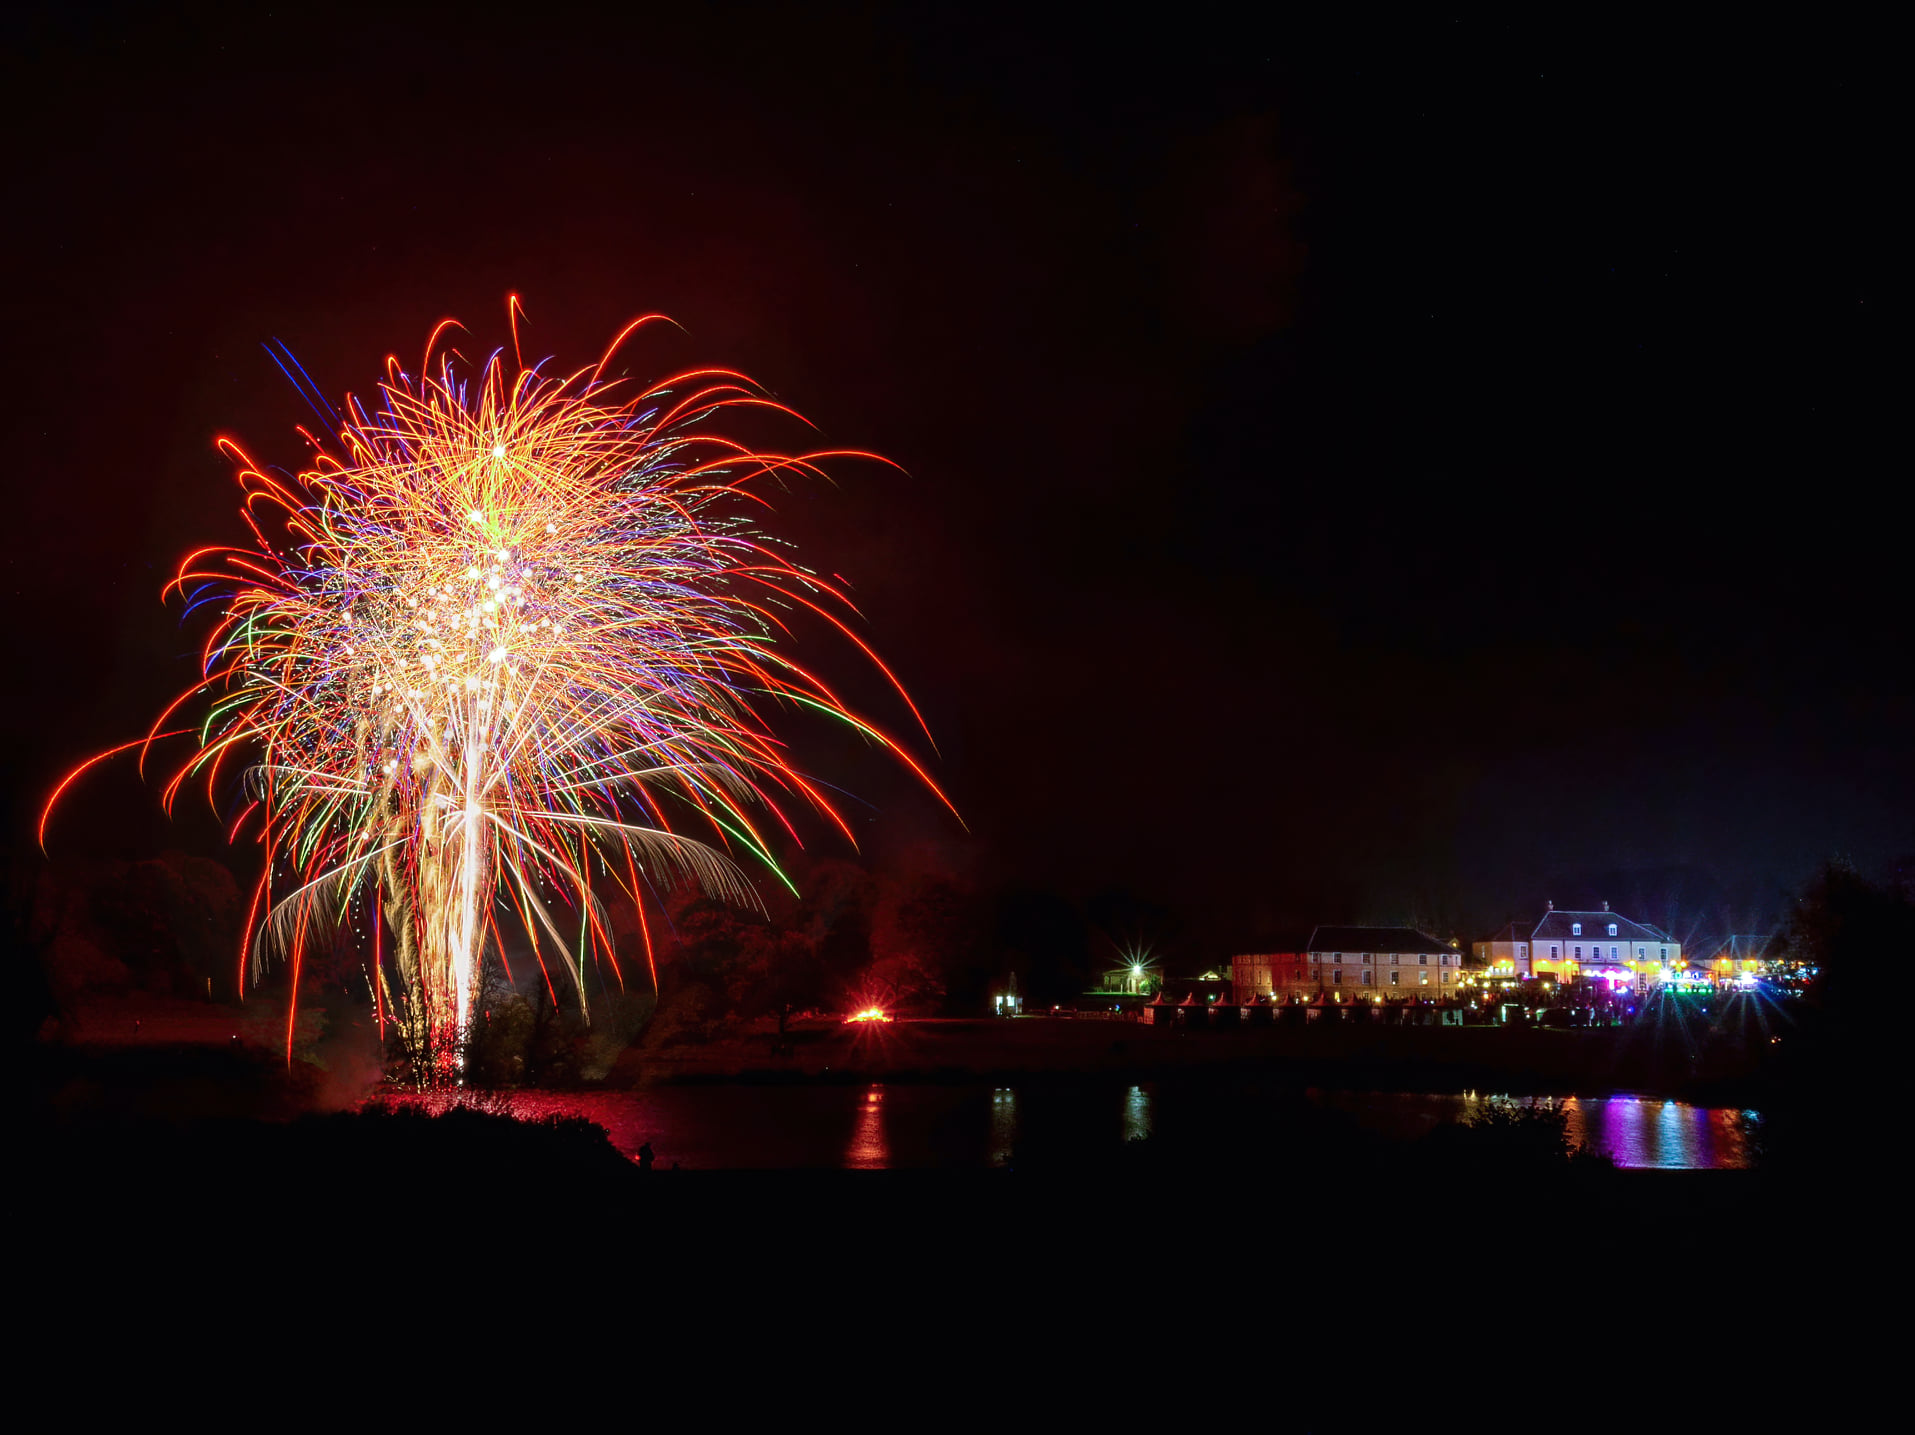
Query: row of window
pixel 1576 929
pixel 1260 978
pixel 1422 960
pixel 1336 978
pixel 1443 959
pixel 1642 953
pixel 1595 953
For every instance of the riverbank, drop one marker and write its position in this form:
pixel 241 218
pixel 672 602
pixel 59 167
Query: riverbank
pixel 1357 1056
pixel 342 1065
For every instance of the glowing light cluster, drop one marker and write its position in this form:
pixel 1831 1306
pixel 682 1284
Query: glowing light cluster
pixel 512 634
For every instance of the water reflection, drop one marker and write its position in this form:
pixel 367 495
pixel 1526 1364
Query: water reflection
pixel 868 1150
pixel 1137 1113
pixel 973 1127
pixel 1003 1125
pixel 1651 1131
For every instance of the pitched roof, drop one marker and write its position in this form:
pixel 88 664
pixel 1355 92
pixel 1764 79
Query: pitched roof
pixel 1557 926
pixel 1374 939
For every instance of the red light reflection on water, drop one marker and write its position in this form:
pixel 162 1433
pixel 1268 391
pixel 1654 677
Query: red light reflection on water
pixel 868 1149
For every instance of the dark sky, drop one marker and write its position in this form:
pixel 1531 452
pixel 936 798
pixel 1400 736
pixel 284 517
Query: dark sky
pixel 1397 472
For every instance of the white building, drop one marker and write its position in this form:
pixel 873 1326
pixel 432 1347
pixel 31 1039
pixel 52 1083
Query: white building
pixel 1566 945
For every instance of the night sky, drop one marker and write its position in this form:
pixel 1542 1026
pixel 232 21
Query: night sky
pixel 1383 474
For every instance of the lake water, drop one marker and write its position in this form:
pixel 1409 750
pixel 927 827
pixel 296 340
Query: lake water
pixel 1636 1130
pixel 970 1127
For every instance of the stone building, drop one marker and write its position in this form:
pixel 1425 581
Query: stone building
pixel 1351 964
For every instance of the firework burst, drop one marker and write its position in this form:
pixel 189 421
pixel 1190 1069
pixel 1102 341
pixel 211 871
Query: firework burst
pixel 506 632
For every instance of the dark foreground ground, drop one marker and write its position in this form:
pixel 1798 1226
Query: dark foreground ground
pixel 187 1206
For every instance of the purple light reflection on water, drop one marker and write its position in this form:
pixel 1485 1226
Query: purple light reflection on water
pixel 1643 1131
pixel 1650 1131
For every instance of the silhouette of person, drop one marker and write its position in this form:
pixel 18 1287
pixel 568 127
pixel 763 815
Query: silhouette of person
pixel 645 1157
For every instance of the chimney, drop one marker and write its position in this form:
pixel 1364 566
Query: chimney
pixel 1605 906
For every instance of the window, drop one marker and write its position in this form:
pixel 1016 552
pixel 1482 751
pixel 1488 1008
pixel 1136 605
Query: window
pixel 1395 957
pixel 1640 954
pixel 1579 954
pixel 1422 959
pixel 1665 954
pixel 1612 929
pixel 1575 929
pixel 1612 954
pixel 1393 978
pixel 1446 976
pixel 1336 978
pixel 1520 949
pixel 1366 976
pixel 1555 952
pixel 1422 979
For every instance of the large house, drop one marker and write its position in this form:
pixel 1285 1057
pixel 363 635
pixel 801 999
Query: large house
pixel 1566 945
pixel 1351 964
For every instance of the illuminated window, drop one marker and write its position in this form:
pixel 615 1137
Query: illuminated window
pixel 1575 929
pixel 1612 929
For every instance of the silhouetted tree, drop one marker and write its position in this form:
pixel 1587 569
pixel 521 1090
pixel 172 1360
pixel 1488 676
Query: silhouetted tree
pixel 1045 938
pixel 1851 930
pixel 1857 933
pixel 928 933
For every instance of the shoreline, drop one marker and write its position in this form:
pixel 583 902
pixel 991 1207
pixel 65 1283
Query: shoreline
pixel 1602 1062
pixel 1585 1062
